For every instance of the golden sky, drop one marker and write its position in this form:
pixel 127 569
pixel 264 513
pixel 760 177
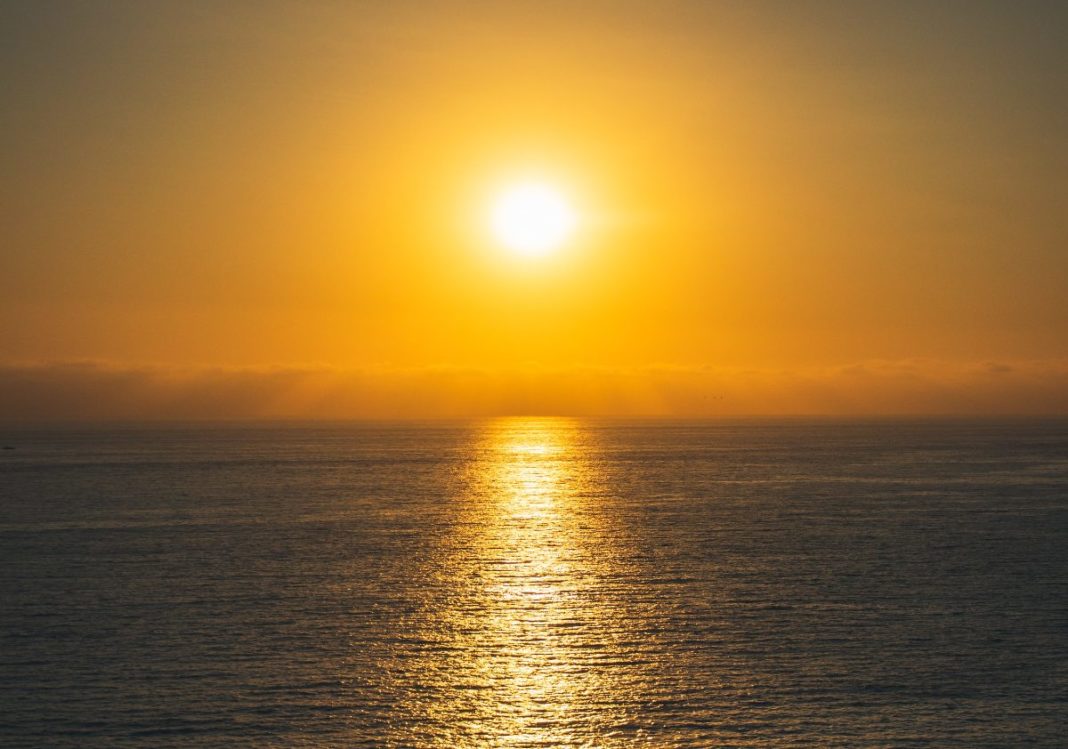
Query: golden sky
pixel 783 208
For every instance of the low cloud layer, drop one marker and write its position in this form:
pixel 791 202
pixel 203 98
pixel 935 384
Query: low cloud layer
pixel 97 391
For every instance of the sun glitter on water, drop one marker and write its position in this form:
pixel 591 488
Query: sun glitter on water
pixel 532 219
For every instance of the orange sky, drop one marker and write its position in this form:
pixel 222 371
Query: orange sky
pixel 773 200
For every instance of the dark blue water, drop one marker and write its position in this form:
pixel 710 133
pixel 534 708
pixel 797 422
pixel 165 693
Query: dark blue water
pixel 536 582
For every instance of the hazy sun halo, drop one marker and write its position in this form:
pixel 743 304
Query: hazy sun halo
pixel 532 219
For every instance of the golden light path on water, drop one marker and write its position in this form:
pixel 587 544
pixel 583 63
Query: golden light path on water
pixel 538 553
pixel 530 644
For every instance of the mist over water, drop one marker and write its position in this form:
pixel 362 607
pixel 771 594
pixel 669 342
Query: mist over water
pixel 536 583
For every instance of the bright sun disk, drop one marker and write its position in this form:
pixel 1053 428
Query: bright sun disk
pixel 532 219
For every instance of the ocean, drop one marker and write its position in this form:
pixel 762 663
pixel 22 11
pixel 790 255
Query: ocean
pixel 535 583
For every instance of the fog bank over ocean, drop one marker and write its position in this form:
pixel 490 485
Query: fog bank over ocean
pixel 101 391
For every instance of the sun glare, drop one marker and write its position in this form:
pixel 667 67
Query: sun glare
pixel 532 219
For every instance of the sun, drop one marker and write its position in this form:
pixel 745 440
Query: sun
pixel 532 219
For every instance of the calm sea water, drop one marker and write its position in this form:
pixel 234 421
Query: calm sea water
pixel 536 583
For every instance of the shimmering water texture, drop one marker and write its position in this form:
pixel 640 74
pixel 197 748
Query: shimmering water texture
pixel 536 583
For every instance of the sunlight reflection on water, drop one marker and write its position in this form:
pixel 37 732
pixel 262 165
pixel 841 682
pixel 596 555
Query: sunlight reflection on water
pixel 533 628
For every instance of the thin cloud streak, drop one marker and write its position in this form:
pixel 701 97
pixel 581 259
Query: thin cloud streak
pixel 91 391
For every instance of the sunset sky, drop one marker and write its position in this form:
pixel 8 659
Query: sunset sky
pixel 272 209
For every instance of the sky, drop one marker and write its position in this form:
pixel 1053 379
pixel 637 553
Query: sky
pixel 279 209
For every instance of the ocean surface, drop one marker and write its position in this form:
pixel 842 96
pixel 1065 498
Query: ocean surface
pixel 535 583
